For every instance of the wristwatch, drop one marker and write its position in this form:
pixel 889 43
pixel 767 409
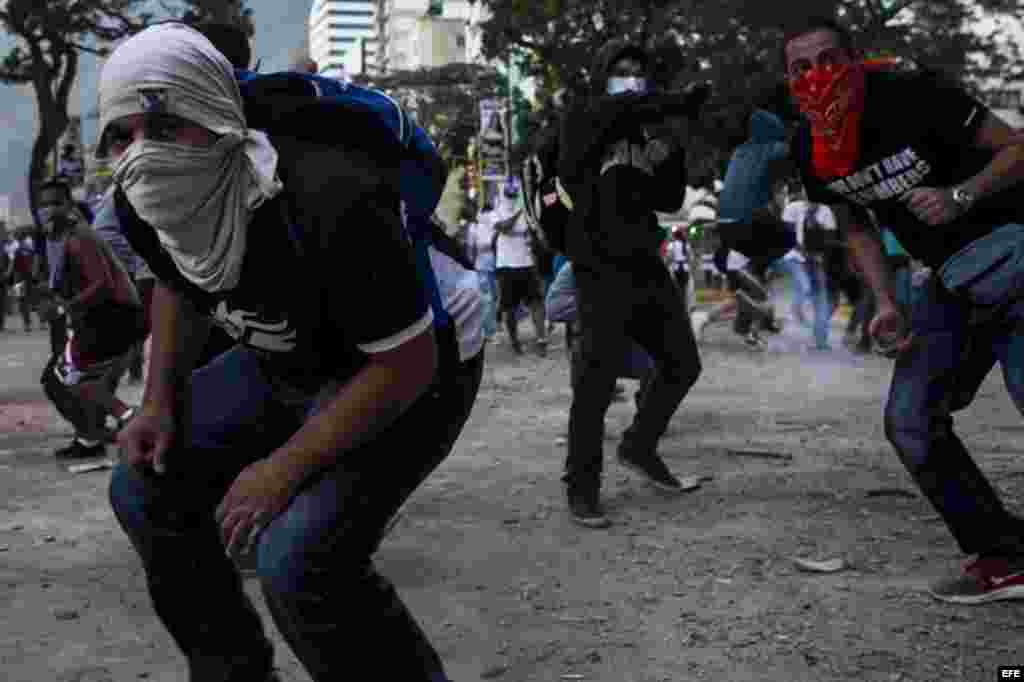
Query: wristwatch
pixel 963 198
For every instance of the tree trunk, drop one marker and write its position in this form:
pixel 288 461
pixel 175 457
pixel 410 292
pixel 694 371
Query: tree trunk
pixel 52 127
pixel 53 121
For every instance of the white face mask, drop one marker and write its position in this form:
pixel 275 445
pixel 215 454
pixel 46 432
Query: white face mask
pixel 618 85
pixel 197 200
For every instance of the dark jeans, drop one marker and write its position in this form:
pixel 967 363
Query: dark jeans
pixel 314 560
pixel 940 376
pixel 751 299
pixel 616 307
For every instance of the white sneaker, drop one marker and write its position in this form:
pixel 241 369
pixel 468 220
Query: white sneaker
pixel 699 320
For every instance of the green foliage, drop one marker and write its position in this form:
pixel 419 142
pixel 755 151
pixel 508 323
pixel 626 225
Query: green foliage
pixel 49 37
pixel 736 44
pixel 219 11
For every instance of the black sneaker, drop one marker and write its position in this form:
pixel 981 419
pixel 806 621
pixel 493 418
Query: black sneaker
pixel 79 451
pixel 651 467
pixel 585 508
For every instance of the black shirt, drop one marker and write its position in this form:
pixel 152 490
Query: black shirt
pixel 917 131
pixel 328 275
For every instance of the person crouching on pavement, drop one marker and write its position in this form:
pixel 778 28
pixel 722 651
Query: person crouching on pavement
pixel 92 289
pixel 301 443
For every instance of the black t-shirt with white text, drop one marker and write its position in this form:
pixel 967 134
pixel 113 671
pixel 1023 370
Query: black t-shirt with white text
pixel 917 131
pixel 317 300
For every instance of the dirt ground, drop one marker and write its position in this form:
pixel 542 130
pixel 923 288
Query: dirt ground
pixel 694 587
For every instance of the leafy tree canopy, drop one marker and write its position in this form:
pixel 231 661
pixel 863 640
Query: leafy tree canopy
pixel 49 38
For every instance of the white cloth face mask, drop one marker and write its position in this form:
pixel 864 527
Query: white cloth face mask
pixel 618 85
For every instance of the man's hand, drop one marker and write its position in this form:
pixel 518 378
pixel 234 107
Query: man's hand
pixel 932 205
pixel 260 493
pixel 890 331
pixel 147 438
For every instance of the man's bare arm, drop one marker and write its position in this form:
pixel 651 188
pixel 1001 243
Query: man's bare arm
pixel 1007 167
pixel 867 251
pixel 370 402
pixel 178 336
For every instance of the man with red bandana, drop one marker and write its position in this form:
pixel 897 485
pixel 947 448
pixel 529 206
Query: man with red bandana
pixel 940 170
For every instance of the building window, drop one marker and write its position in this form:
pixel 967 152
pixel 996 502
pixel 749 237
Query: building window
pixel 435 8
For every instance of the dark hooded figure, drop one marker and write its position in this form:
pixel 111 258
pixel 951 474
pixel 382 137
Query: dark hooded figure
pixel 620 160
pixel 748 218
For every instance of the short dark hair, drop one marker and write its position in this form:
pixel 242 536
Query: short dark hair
pixel 812 24
pixel 231 40
pixel 59 184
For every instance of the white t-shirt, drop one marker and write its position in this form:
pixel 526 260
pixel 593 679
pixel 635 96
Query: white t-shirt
pixel 481 236
pixel 514 247
pixel 461 297
pixel 796 213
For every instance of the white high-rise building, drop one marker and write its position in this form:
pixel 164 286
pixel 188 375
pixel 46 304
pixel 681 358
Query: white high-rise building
pixel 418 34
pixel 343 36
pixel 478 14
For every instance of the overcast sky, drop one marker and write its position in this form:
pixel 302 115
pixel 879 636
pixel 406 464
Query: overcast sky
pixel 280 28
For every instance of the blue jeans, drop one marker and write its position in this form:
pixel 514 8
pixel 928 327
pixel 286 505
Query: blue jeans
pixel 938 377
pixel 314 560
pixel 489 289
pixel 819 296
pixel 801 280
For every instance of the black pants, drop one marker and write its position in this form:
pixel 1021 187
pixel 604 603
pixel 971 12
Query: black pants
pixel 751 294
pixel 615 307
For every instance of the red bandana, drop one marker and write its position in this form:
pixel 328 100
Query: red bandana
pixel 832 98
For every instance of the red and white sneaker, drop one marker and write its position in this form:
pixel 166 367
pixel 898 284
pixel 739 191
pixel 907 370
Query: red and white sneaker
pixel 983 580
